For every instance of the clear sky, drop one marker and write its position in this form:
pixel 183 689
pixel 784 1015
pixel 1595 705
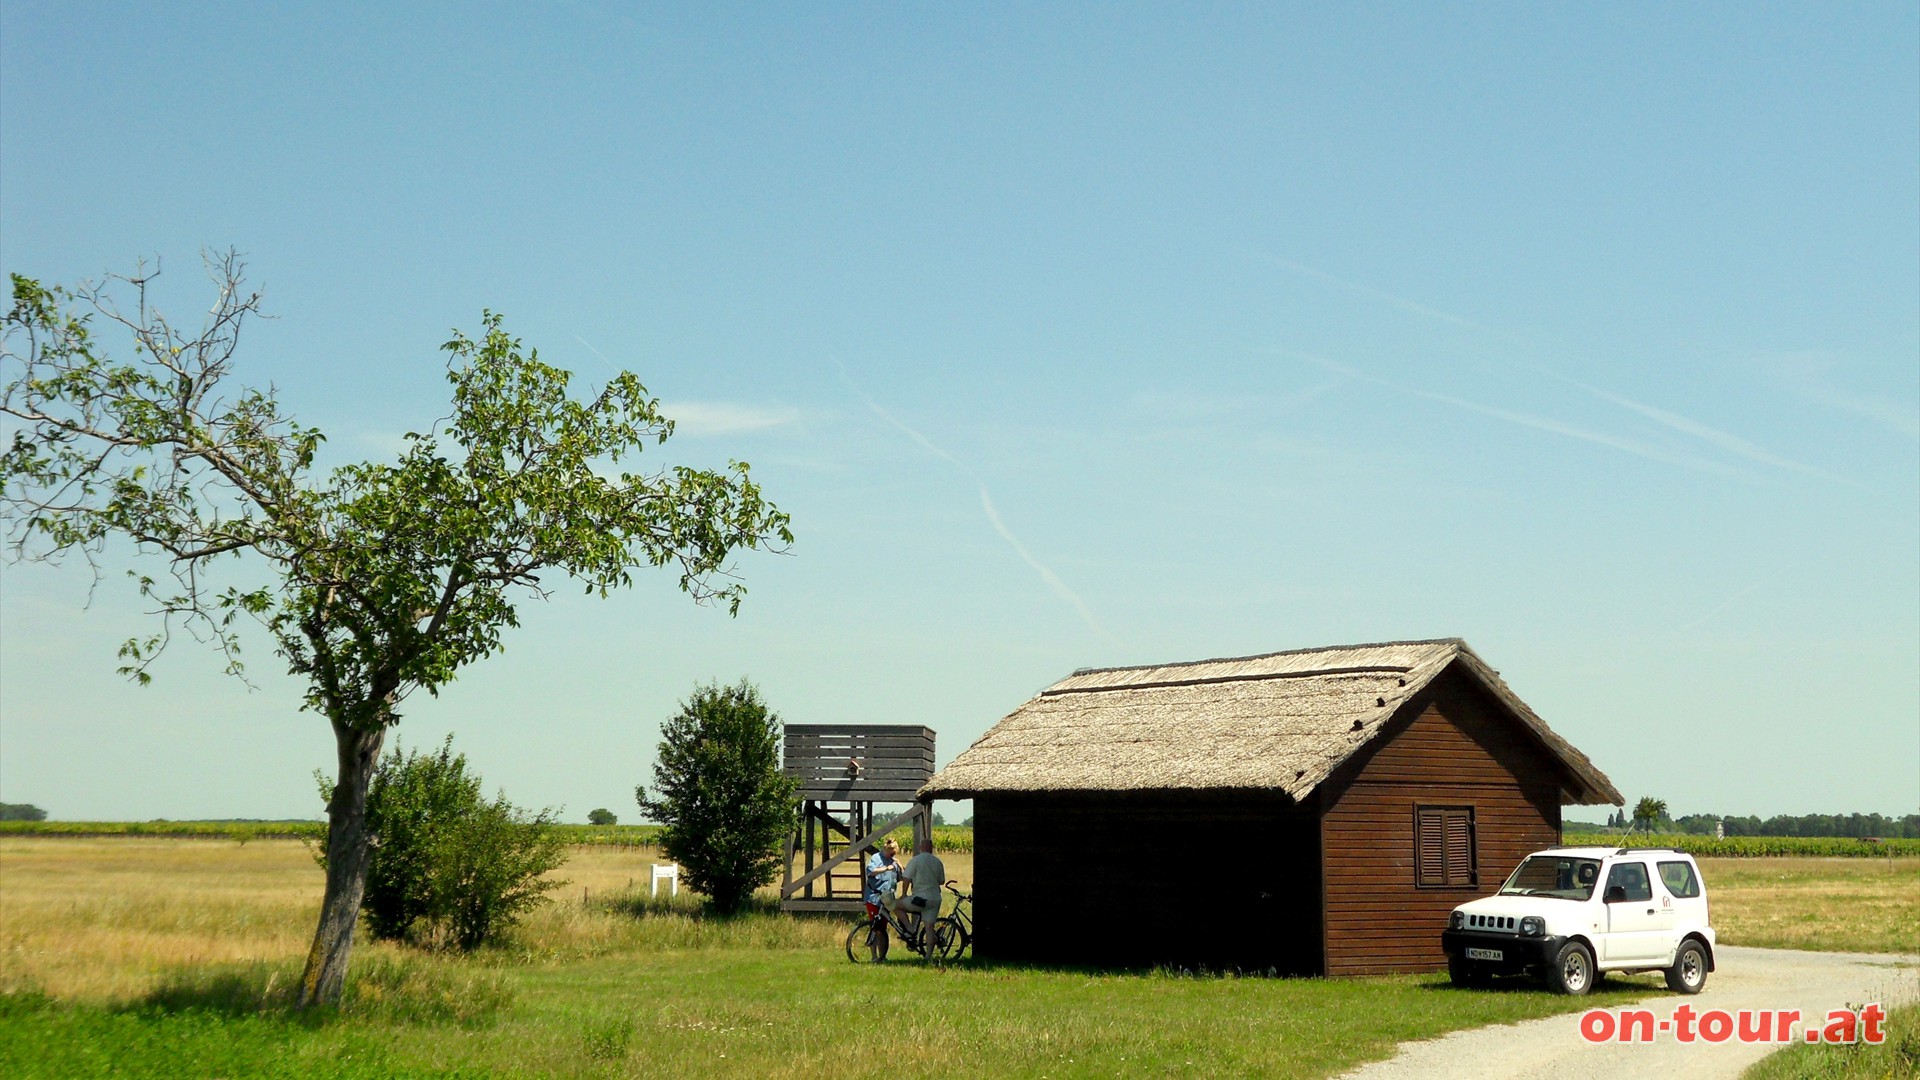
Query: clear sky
pixel 1070 335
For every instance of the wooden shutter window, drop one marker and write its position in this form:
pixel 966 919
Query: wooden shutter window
pixel 1459 847
pixel 1433 854
pixel 1443 847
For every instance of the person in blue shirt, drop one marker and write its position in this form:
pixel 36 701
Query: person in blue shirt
pixel 883 875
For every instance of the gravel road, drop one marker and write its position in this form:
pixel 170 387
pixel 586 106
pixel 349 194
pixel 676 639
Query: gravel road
pixel 1549 1049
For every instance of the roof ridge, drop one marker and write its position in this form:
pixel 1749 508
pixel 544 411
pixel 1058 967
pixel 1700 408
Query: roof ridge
pixel 1457 642
pixel 1215 680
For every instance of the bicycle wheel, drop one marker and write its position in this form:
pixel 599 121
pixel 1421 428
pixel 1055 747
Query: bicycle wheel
pixel 867 942
pixel 950 938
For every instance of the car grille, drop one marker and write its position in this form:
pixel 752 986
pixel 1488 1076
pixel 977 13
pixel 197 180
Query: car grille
pixel 1493 924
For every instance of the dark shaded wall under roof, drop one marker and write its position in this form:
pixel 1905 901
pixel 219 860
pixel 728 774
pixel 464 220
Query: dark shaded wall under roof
pixel 1220 880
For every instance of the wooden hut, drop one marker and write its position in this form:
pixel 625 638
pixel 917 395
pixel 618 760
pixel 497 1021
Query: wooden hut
pixel 1318 811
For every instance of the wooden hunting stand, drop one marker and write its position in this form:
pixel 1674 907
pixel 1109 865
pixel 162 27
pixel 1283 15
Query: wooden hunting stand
pixel 845 771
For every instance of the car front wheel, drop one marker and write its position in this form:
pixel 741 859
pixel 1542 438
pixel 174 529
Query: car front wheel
pixel 950 939
pixel 1689 971
pixel 1462 972
pixel 1572 969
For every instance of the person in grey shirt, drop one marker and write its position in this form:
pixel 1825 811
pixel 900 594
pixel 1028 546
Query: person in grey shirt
pixel 925 873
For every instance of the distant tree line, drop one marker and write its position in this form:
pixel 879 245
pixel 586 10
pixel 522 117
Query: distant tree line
pixel 1907 827
pixel 1853 825
pixel 19 811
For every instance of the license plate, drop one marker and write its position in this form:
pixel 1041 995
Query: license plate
pixel 1485 954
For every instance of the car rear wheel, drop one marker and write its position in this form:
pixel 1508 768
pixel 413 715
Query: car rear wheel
pixel 1572 969
pixel 867 942
pixel 1689 971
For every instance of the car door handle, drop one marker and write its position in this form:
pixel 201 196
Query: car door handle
pixel 1649 911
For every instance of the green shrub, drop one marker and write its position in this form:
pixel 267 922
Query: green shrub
pixel 726 806
pixel 449 866
pixel 602 816
pixel 493 864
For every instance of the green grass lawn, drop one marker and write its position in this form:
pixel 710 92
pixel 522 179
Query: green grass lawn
pixel 755 996
pixel 739 1010
pixel 1898 1058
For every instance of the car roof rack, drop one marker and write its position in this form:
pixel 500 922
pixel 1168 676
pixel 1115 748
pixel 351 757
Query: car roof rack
pixel 1627 850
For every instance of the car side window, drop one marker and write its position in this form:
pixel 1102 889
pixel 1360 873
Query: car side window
pixel 1631 879
pixel 1680 880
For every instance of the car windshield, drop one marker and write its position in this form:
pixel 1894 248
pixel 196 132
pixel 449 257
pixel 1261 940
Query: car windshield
pixel 1558 876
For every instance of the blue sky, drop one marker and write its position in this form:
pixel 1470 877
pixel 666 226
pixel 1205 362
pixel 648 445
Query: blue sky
pixel 1069 337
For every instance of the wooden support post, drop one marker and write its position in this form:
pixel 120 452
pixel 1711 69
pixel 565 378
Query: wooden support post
pixel 811 811
pixel 786 866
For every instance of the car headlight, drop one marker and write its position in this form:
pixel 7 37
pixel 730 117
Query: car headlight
pixel 1458 920
pixel 1533 926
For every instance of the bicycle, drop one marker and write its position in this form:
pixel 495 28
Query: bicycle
pixel 953 934
pixel 867 942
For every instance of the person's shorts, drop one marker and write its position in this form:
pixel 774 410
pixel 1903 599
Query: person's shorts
pixel 927 907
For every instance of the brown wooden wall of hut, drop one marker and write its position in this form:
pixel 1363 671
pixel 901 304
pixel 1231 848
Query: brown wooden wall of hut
pixel 1212 879
pixel 1455 751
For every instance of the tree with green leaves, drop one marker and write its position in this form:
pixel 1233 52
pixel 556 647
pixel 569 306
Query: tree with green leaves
pixel 727 807
pixel 1649 813
pixel 373 580
pixel 602 816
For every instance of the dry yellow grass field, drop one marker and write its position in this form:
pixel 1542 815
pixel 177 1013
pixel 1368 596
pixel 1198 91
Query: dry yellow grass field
pixel 1842 905
pixel 108 919
pixel 98 919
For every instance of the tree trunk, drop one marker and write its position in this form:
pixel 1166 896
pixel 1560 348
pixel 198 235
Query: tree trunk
pixel 348 853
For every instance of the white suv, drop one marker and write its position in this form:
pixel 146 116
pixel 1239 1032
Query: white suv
pixel 1571 913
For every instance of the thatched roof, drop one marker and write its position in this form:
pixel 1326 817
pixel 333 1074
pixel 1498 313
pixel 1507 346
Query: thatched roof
pixel 1283 721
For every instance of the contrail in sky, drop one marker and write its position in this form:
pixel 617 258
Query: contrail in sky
pixel 1543 423
pixel 597 353
pixel 1053 581
pixel 1727 441
pixel 1722 606
pixel 1538 423
pixel 1401 302
pixel 986 504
